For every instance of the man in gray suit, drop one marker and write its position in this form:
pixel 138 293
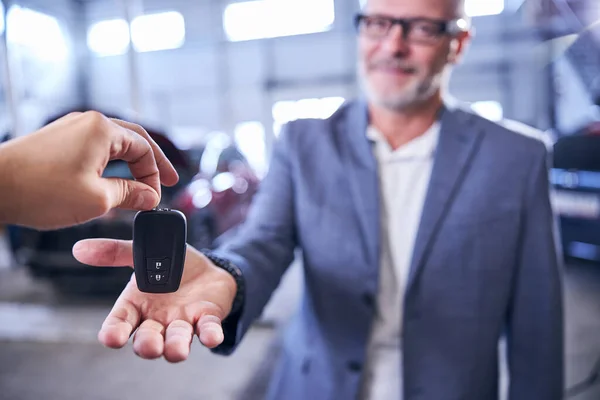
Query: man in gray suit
pixel 426 235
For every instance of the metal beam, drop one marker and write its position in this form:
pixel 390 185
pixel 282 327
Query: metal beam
pixel 132 9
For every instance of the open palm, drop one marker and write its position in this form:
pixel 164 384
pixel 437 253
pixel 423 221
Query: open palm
pixel 164 324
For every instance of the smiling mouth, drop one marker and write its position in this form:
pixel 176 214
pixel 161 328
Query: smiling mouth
pixel 393 70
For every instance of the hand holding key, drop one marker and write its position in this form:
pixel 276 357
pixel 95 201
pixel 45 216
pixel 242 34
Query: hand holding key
pixel 52 178
pixel 164 323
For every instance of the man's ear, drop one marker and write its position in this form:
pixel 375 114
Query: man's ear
pixel 458 47
pixel 454 51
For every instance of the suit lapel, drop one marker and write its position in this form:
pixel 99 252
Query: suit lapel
pixel 457 143
pixel 361 167
pixel 456 146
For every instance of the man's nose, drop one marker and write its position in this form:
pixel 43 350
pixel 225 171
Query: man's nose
pixel 396 42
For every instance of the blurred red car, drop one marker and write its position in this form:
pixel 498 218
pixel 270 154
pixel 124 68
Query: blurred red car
pixel 219 196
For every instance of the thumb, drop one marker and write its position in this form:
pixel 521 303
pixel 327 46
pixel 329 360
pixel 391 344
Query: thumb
pixel 104 252
pixel 129 194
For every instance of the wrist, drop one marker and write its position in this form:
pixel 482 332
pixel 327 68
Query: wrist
pixel 231 284
pixel 235 281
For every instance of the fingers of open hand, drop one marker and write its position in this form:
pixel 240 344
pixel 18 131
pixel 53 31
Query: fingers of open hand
pixel 148 341
pixel 119 324
pixel 209 331
pixel 178 339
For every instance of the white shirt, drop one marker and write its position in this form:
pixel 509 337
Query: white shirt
pixel 403 181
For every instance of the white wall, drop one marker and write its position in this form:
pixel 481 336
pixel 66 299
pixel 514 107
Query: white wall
pixel 215 84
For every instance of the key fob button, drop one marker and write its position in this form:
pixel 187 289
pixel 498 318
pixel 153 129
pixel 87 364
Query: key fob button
pixel 158 264
pixel 157 278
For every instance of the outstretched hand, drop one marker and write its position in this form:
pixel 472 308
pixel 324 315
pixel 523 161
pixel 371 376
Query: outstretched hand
pixel 164 324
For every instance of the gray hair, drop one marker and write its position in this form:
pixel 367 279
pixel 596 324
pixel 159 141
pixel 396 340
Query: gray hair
pixel 460 7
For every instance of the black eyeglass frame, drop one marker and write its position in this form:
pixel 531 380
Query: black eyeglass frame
pixel 451 27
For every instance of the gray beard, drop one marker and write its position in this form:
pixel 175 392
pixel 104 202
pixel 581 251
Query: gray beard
pixel 417 93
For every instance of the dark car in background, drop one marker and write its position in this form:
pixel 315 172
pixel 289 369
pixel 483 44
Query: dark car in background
pixel 575 178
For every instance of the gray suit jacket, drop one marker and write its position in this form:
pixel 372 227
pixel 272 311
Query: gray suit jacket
pixel 485 262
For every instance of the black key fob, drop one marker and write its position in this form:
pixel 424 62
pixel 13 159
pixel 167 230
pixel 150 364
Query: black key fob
pixel 159 245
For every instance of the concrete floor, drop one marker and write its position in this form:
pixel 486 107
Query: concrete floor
pixel 49 351
pixel 48 347
pixel 76 371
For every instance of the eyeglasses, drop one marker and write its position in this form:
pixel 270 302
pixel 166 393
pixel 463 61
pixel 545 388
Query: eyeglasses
pixel 418 30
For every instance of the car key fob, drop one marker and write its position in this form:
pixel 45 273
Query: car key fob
pixel 159 245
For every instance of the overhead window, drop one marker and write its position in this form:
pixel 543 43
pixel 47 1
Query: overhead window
pixel 155 32
pixel 250 139
pixel 261 19
pixel 150 32
pixel 110 37
pixel 475 8
pixel 36 32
